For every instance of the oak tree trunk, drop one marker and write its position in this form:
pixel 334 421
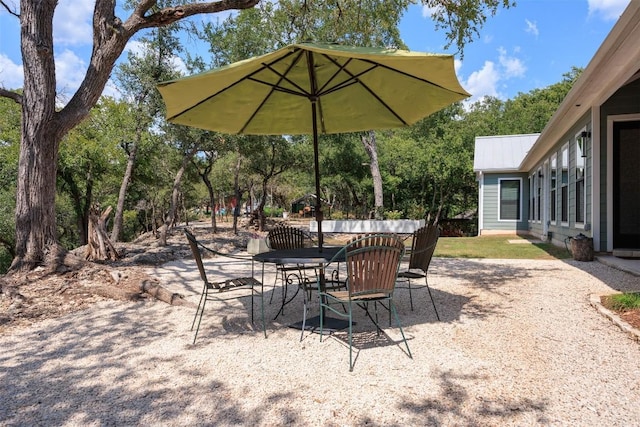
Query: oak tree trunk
pixel 99 247
pixel 132 151
pixel 43 127
pixel 175 193
pixel 237 193
pixel 369 142
pixel 36 235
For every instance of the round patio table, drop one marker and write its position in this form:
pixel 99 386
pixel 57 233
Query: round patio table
pixel 307 256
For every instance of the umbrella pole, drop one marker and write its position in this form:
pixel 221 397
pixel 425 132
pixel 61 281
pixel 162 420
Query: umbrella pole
pixel 317 173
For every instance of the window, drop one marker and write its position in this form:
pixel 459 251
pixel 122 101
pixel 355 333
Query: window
pixel 553 188
pixel 509 204
pixel 539 195
pixel 564 185
pixel 580 173
pixel 531 198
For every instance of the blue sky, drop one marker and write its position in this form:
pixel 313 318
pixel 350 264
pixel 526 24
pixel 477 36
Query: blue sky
pixel 520 49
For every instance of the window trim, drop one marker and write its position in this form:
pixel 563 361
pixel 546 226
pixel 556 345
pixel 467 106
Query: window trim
pixel 562 185
pixel 519 199
pixel 583 179
pixel 553 189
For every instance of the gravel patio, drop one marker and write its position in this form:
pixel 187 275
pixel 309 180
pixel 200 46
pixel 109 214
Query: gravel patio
pixel 518 344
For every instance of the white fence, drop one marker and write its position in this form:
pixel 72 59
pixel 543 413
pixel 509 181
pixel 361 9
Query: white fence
pixel 399 226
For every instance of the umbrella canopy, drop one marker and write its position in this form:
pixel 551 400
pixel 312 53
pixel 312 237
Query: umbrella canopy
pixel 310 88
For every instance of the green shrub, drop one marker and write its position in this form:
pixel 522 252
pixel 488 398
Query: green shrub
pixel 622 302
pixel 337 215
pixel 273 212
pixel 5 260
pixel 416 211
pixel 393 215
pixel 130 225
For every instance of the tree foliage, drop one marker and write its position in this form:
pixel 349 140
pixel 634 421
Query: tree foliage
pixel 44 125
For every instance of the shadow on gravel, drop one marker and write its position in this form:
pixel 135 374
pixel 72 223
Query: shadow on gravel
pixel 48 378
pixel 447 407
pixel 485 277
pixel 614 278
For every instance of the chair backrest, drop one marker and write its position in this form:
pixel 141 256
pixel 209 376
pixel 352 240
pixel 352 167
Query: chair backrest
pixel 196 254
pixel 285 237
pixel 372 264
pixel 423 246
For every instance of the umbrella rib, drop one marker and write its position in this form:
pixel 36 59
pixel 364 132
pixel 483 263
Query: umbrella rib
pixel 277 86
pixel 274 87
pixel 248 77
pixel 356 78
pixel 412 76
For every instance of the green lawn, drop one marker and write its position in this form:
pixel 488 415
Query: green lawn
pixel 498 247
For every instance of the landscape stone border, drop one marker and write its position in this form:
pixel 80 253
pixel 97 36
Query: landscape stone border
pixel 631 331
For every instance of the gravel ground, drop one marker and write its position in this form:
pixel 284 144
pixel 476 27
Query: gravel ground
pixel 518 344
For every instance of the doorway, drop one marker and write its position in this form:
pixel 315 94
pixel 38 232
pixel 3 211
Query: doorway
pixel 626 185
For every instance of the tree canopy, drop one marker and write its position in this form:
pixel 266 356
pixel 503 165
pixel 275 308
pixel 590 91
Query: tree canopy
pixel 47 127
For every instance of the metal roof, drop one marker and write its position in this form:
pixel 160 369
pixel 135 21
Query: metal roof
pixel 502 152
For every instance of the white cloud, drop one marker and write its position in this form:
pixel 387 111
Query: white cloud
pixel 428 11
pixel 134 47
pixel 457 65
pixel 532 28
pixel 70 70
pixel 608 10
pixel 492 75
pixel 483 82
pixel 511 66
pixel 110 89
pixel 72 22
pixel 137 48
pixel 11 74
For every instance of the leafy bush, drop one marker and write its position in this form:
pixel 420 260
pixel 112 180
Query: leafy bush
pixel 393 215
pixel 5 260
pixel 273 212
pixel 416 211
pixel 338 215
pixel 130 225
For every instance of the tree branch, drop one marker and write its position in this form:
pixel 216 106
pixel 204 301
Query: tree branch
pixel 110 36
pixel 11 12
pixel 11 95
pixel 169 15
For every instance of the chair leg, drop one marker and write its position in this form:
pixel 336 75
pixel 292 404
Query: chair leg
pixel 204 290
pixel 392 306
pixel 432 300
pixel 264 324
pixel 204 303
pixel 410 297
pixel 261 293
pixel 350 338
pixel 304 314
pixel 321 318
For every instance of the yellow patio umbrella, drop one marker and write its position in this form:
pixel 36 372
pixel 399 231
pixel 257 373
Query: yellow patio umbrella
pixel 311 88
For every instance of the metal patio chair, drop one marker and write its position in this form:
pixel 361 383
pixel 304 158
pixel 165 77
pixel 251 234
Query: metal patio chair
pixel 287 237
pixel 372 264
pixel 239 287
pixel 424 244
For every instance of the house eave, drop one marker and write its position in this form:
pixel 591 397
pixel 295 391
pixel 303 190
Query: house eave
pixel 485 171
pixel 614 64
